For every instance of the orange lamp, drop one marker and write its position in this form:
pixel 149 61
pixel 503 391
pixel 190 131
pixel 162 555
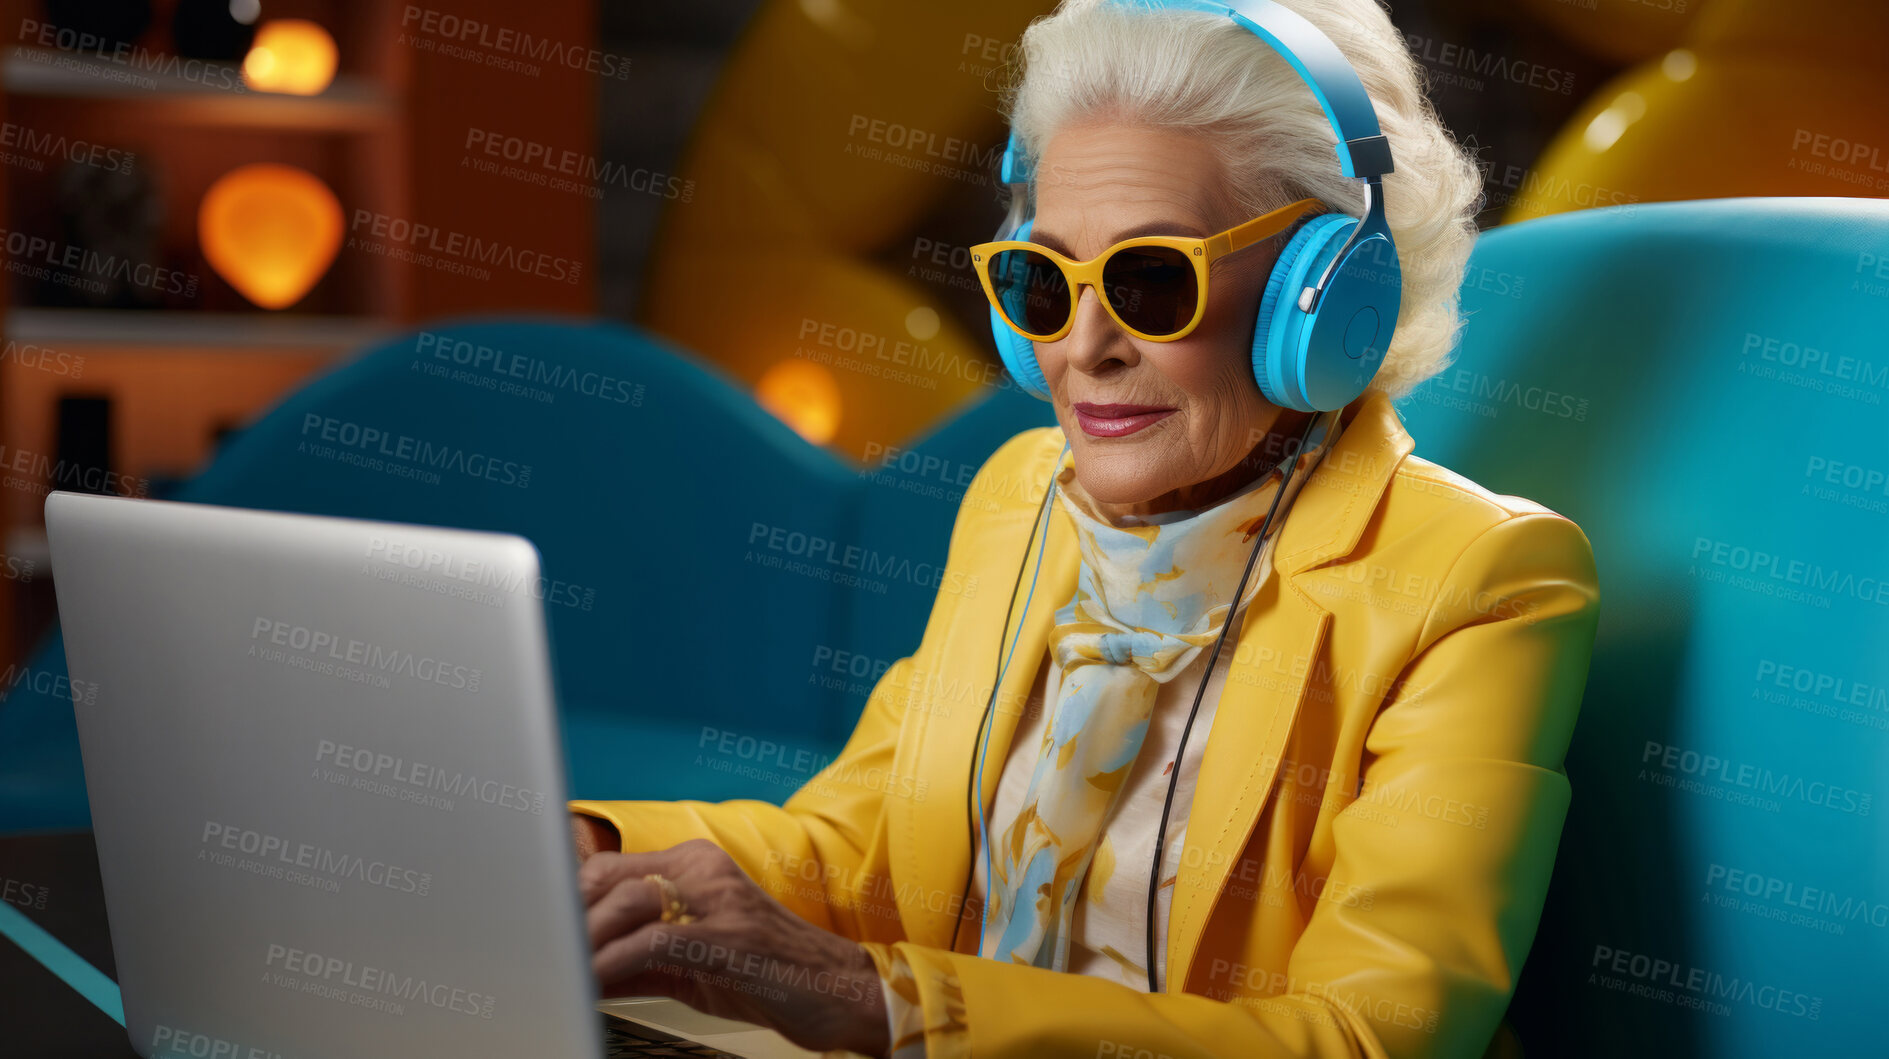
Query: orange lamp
pixel 291 55
pixel 803 395
pixel 270 230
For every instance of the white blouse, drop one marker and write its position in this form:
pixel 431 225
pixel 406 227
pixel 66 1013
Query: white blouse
pixel 1110 926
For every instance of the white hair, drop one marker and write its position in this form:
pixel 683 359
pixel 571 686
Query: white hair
pixel 1102 60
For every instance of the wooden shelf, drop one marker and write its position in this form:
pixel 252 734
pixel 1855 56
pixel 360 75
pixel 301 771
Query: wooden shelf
pixel 386 137
pixel 131 329
pixel 350 104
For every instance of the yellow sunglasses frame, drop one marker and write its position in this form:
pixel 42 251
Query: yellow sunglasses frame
pixel 1080 274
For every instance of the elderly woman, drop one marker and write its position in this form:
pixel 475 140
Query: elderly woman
pixel 1332 838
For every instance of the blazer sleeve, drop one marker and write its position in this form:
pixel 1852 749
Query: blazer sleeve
pixel 1469 743
pixel 809 853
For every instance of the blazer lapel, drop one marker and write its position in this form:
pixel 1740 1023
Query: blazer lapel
pixel 931 839
pixel 1272 665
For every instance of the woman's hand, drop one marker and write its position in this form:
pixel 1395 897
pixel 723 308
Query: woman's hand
pixel 744 957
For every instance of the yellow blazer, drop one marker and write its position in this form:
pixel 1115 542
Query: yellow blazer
pixel 1378 805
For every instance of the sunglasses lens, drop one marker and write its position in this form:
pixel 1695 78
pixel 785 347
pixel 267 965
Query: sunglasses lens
pixel 1152 288
pixel 1031 291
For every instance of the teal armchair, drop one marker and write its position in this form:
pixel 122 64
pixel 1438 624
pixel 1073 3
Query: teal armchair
pixel 1701 386
pixel 1704 388
pixel 663 500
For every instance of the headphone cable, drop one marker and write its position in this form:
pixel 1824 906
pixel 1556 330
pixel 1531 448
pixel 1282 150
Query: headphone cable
pixel 1174 773
pixel 973 795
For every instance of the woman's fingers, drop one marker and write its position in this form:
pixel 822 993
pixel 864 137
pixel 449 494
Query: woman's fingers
pixel 619 896
pixel 742 954
pixel 603 871
pixel 628 904
pixel 682 864
pixel 634 963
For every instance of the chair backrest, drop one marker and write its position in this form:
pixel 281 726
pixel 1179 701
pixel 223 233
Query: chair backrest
pixel 1702 387
pixel 667 507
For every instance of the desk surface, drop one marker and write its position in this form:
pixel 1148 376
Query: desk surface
pixel 46 1016
pixel 52 879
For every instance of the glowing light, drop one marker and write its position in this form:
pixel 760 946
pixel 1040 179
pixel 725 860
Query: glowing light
pixel 1605 129
pixel 270 230
pixel 1679 65
pixel 290 55
pixel 922 323
pixel 245 11
pixel 833 17
pixel 803 395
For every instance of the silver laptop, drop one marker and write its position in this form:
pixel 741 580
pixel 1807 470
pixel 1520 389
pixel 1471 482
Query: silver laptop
pixel 327 790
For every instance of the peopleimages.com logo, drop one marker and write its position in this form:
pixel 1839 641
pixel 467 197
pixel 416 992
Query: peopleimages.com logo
pixel 177 1041
pixel 465 249
pixel 1675 761
pixel 401 455
pixel 426 560
pixel 526 368
pixel 321 867
pixel 368 656
pixel 502 47
pixel 416 779
pixel 364 985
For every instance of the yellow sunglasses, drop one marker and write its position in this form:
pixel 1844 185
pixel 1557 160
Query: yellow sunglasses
pixel 1154 286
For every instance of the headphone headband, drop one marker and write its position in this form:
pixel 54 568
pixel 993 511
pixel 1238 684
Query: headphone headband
pixel 1327 316
pixel 1362 150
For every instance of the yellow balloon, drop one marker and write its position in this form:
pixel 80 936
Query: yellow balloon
pixel 1624 31
pixel 1762 99
pixel 838 131
pixel 270 231
pixel 891 344
pixel 291 55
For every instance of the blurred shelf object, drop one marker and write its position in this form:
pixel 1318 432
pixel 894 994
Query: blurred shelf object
pixel 353 102
pixel 132 330
pixel 28 544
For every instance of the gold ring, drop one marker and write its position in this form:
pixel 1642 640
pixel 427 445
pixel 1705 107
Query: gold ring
pixel 673 910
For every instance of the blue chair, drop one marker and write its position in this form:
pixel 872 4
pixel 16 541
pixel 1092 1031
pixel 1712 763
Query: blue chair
pixel 665 504
pixel 1699 385
pixel 1702 387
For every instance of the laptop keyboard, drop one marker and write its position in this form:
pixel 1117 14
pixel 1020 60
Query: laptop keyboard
pixel 631 1040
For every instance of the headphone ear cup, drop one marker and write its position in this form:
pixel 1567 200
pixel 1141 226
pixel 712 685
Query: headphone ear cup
pixel 1279 331
pixel 1018 353
pixel 1019 357
pixel 1322 360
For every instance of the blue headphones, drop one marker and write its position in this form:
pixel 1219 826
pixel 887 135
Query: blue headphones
pixel 1331 301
